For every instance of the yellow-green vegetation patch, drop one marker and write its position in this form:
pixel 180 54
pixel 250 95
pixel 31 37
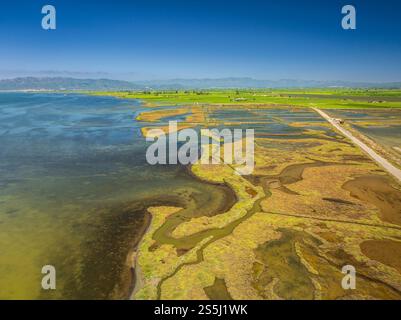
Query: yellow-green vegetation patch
pixel 323 201
pixel 159 263
pixel 245 200
pixel 240 260
pixel 321 98
pixel 299 218
pixel 157 115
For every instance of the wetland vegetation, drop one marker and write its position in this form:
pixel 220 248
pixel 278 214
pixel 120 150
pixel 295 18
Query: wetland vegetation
pixel 313 204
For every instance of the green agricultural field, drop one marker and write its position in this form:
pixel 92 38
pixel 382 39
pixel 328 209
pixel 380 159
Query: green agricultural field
pixel 321 98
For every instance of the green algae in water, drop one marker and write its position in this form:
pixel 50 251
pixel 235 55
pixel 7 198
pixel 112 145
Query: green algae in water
pixel 218 290
pixel 74 185
pixel 278 260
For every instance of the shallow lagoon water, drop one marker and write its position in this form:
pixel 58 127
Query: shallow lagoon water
pixel 74 186
pixel 383 126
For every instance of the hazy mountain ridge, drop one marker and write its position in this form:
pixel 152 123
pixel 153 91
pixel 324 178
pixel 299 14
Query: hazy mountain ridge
pixel 65 83
pixel 59 83
pixel 255 83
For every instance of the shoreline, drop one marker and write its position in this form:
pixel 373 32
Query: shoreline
pixel 137 279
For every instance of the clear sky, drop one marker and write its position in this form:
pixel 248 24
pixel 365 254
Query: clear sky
pixel 163 39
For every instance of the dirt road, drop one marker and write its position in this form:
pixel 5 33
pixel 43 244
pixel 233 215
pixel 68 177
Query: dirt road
pixel 395 172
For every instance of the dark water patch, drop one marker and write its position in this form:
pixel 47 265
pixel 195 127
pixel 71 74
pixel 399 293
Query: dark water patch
pixel 217 199
pixel 368 285
pixel 11 211
pixel 354 157
pixel 387 252
pixel 215 234
pixel 218 290
pixel 104 271
pixel 286 145
pixel 278 261
pixel 388 136
pixel 288 191
pixel 181 252
pixel 340 201
pixel 289 175
pixel 367 114
pixel 378 191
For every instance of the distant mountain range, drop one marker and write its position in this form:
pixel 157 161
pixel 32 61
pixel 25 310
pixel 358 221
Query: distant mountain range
pixel 254 83
pixel 60 83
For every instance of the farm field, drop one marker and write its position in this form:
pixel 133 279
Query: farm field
pixel 321 98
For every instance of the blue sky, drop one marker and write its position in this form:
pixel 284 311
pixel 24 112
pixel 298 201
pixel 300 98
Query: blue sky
pixel 164 39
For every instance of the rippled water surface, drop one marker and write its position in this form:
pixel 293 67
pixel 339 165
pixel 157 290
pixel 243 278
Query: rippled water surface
pixel 74 184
